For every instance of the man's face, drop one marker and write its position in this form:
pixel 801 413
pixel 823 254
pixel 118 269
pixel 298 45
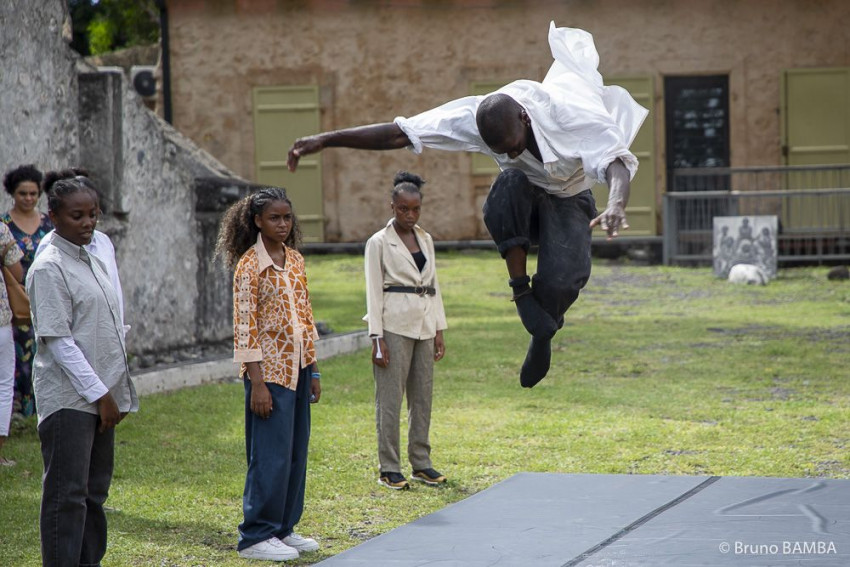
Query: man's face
pixel 516 137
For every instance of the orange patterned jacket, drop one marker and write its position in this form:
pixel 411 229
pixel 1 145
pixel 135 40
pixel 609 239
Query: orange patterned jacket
pixel 272 316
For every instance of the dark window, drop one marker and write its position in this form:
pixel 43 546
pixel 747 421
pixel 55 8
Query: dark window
pixel 697 120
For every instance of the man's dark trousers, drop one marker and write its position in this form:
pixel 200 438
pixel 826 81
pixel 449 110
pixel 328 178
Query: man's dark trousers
pixel 518 213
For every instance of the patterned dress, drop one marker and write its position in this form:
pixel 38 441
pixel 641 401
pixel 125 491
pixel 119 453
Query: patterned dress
pixel 24 338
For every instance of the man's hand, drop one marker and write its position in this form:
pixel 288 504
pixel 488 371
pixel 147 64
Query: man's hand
pixel 303 147
pixel 612 220
pixel 380 352
pixel 107 409
pixel 385 136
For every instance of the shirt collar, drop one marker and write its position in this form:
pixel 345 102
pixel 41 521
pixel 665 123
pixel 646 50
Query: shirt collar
pixel 69 248
pixel 263 257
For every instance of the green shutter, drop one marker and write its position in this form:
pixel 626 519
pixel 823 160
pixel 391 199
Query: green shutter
pixel 815 131
pixel 816 116
pixel 281 115
pixel 642 200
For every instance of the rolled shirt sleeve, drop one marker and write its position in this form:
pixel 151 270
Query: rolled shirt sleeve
pixel 440 311
pixel 374 287
pixel 245 331
pixel 450 126
pixel 306 306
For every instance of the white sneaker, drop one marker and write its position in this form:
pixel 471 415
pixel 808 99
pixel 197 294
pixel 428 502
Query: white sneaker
pixel 300 542
pixel 271 550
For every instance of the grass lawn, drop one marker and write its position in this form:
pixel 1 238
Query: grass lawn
pixel 657 371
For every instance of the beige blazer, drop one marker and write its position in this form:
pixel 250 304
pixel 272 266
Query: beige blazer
pixel 388 262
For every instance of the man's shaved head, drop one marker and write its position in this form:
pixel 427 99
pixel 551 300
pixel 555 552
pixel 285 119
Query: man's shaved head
pixel 498 117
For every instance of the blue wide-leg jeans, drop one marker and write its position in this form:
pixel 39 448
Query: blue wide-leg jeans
pixel 276 449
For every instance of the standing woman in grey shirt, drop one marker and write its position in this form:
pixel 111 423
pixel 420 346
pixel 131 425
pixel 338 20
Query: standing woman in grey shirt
pixel 81 378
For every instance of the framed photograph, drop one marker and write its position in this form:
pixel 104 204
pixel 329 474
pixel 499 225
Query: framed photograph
pixel 745 240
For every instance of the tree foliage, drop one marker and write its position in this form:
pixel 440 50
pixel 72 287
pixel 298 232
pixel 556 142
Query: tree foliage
pixel 101 26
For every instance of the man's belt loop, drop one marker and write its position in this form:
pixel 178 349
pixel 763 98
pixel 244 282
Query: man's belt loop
pixel 420 290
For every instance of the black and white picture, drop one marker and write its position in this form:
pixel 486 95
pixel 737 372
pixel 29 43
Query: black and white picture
pixel 745 240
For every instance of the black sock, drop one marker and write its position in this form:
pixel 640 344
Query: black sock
pixel 537 361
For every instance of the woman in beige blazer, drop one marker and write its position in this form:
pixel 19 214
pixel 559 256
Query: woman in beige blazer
pixel 406 322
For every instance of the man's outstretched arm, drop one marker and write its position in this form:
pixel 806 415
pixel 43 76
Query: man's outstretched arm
pixel 387 136
pixel 613 218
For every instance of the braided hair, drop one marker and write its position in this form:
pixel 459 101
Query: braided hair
pixel 51 177
pixel 59 189
pixel 407 182
pixel 238 231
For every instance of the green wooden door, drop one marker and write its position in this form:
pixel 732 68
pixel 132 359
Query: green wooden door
pixel 642 200
pixel 281 115
pixel 816 120
pixel 815 131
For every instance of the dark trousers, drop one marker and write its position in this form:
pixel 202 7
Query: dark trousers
pixel 518 213
pixel 276 448
pixel 78 464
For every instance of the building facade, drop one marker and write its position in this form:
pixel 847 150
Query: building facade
pixel 728 83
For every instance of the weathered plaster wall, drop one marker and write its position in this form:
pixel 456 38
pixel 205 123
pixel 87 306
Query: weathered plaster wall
pixel 38 88
pixel 376 60
pixel 147 167
pixel 159 257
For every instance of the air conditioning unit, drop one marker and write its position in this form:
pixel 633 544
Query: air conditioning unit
pixel 144 80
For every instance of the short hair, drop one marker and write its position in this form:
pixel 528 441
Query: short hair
pixel 15 177
pixel 67 186
pixel 495 117
pixel 408 183
pixel 54 176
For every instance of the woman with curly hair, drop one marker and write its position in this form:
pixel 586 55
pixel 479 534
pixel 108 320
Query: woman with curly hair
pixel 273 334
pixel 28 225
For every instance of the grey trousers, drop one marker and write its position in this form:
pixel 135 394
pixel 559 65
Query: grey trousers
pixel 411 369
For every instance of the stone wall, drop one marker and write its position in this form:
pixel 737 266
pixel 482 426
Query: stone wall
pixel 38 83
pixel 374 60
pixel 59 112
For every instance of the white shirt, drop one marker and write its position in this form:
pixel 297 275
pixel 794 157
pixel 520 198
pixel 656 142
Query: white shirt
pixel 580 125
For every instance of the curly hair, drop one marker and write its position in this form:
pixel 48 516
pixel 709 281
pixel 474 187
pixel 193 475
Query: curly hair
pixel 15 177
pixel 61 188
pixel 238 232
pixel 407 182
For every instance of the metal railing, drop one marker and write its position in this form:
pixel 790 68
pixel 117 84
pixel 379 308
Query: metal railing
pixel 811 203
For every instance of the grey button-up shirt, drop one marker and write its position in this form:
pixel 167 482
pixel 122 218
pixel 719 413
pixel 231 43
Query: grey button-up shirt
pixel 71 296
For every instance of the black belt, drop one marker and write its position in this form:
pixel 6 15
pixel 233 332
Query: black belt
pixel 421 290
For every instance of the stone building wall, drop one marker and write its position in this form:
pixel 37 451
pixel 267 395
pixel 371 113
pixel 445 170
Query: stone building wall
pixel 374 60
pixel 58 112
pixel 38 104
